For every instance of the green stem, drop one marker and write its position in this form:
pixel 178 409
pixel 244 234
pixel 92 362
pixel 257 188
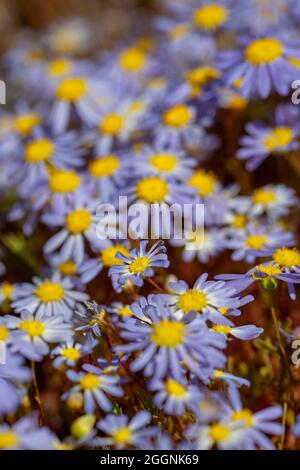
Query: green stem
pixel 283 435
pixel 37 394
pixel 290 400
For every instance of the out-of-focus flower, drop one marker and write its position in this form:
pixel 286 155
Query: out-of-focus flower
pixel 262 65
pixel 40 329
pixel 48 297
pixel 95 384
pixel 26 434
pixel 123 432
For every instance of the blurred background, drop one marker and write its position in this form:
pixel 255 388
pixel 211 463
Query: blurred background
pixel 111 18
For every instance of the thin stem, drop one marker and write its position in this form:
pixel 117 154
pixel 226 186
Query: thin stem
pixel 282 351
pixel 286 366
pixel 283 435
pixel 153 283
pixel 37 394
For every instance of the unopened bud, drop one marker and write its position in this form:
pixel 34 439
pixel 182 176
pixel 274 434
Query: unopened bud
pixel 269 284
pixel 82 426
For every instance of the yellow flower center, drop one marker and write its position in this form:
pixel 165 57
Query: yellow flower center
pixel 105 166
pixel 204 182
pixel 264 51
pixel 218 374
pixel 4 333
pixel 175 388
pixel 263 196
pixel 72 89
pixel 132 60
pixel 168 333
pixel 26 122
pixel 90 382
pixel 7 290
pixel 112 124
pixel 39 151
pixel 164 161
pixel 202 75
pixel 243 415
pixel 108 255
pixel 222 329
pixel 219 432
pixel 224 310
pixel 139 265
pixel 32 327
pixel 59 67
pixel 239 221
pixel 125 311
pixel 64 181
pixel 71 353
pixel 287 257
pixel 177 116
pixel 279 138
pixel 78 221
pixel 196 237
pixel 122 436
pixel 152 189
pixel 68 268
pixel 50 291
pixel 269 269
pixel 211 16
pixel 256 242
pixel 192 300
pixel 8 439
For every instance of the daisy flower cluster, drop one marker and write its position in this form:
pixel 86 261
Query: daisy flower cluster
pixel 159 342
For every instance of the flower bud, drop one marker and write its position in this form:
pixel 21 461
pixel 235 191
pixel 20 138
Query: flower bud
pixel 82 426
pixel 269 284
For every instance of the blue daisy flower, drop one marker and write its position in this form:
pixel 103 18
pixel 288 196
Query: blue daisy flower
pixel 39 329
pixel 169 164
pixel 262 65
pixel 12 374
pixel 122 432
pixel 169 346
pixel 284 266
pixel 263 141
pixel 94 384
pixel 255 425
pixel 26 434
pixel 68 353
pixel 274 200
pixel 76 93
pixel 206 297
pixel 138 265
pixel 77 217
pixel 51 296
pixel 173 396
pixel 257 237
